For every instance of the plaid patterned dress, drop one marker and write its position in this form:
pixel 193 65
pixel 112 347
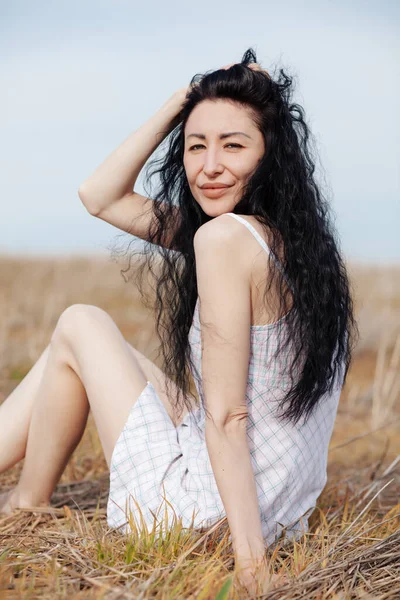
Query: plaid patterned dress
pixel 153 461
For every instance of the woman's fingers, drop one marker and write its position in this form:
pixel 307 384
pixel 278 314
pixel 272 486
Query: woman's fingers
pixel 257 67
pixel 253 66
pixel 228 66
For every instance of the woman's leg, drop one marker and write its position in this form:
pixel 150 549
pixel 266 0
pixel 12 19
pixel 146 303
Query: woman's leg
pixel 16 412
pixel 89 364
pixel 16 409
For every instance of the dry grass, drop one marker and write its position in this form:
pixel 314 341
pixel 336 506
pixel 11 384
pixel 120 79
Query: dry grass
pixel 353 547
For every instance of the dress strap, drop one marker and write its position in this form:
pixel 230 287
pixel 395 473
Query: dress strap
pixel 258 237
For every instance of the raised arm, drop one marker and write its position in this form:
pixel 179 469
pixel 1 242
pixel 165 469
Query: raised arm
pixel 223 281
pixel 108 193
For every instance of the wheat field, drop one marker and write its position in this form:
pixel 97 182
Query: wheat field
pixel 352 550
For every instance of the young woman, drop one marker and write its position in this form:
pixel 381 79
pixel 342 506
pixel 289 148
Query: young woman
pixel 252 299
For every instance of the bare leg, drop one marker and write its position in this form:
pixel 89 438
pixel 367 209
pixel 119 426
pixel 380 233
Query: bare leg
pixel 89 365
pixel 62 388
pixel 15 415
pixel 16 410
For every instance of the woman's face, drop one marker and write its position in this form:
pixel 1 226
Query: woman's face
pixel 208 159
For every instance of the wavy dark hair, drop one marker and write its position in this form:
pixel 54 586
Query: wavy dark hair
pixel 284 197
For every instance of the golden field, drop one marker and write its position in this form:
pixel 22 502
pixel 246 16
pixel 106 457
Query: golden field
pixel 353 547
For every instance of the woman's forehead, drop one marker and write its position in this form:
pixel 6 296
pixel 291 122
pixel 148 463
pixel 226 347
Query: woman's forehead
pixel 221 115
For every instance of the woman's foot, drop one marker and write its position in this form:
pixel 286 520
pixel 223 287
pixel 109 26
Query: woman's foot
pixel 6 502
pixel 11 500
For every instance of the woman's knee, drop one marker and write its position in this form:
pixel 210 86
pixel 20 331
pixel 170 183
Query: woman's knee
pixel 76 318
pixel 74 327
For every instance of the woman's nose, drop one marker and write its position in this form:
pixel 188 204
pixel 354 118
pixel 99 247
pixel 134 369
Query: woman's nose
pixel 212 163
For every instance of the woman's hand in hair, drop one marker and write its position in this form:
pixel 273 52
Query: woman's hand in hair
pixel 257 67
pixel 180 95
pixel 252 66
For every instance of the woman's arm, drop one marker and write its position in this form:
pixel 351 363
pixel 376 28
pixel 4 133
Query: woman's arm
pixel 115 177
pixel 223 281
pixel 230 459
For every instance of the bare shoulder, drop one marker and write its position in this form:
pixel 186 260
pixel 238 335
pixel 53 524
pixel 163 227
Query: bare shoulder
pixel 219 243
pixel 221 236
pixel 221 227
pixel 232 234
pixel 225 246
pixel 226 233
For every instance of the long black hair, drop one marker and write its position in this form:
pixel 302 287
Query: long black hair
pixel 283 196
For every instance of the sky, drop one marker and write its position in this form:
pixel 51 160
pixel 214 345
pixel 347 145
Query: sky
pixel 78 77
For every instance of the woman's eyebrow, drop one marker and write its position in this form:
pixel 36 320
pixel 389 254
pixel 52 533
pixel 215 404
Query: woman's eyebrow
pixel 221 137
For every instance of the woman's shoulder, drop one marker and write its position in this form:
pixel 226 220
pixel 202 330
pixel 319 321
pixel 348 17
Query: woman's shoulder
pixel 228 226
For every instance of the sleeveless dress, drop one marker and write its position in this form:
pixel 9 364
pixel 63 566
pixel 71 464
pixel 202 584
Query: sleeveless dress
pixel 166 471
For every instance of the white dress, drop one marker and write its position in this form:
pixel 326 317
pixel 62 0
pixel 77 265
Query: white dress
pixel 154 461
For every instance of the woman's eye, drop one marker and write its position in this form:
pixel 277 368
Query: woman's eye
pixel 202 145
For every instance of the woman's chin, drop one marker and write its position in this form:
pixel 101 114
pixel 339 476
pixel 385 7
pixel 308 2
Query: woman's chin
pixel 216 208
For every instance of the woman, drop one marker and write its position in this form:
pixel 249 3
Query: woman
pixel 252 299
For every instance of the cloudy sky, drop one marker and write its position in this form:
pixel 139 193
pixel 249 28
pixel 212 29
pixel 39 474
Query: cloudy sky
pixel 79 76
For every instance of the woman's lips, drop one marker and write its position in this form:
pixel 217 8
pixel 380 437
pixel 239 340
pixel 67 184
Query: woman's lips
pixel 214 192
